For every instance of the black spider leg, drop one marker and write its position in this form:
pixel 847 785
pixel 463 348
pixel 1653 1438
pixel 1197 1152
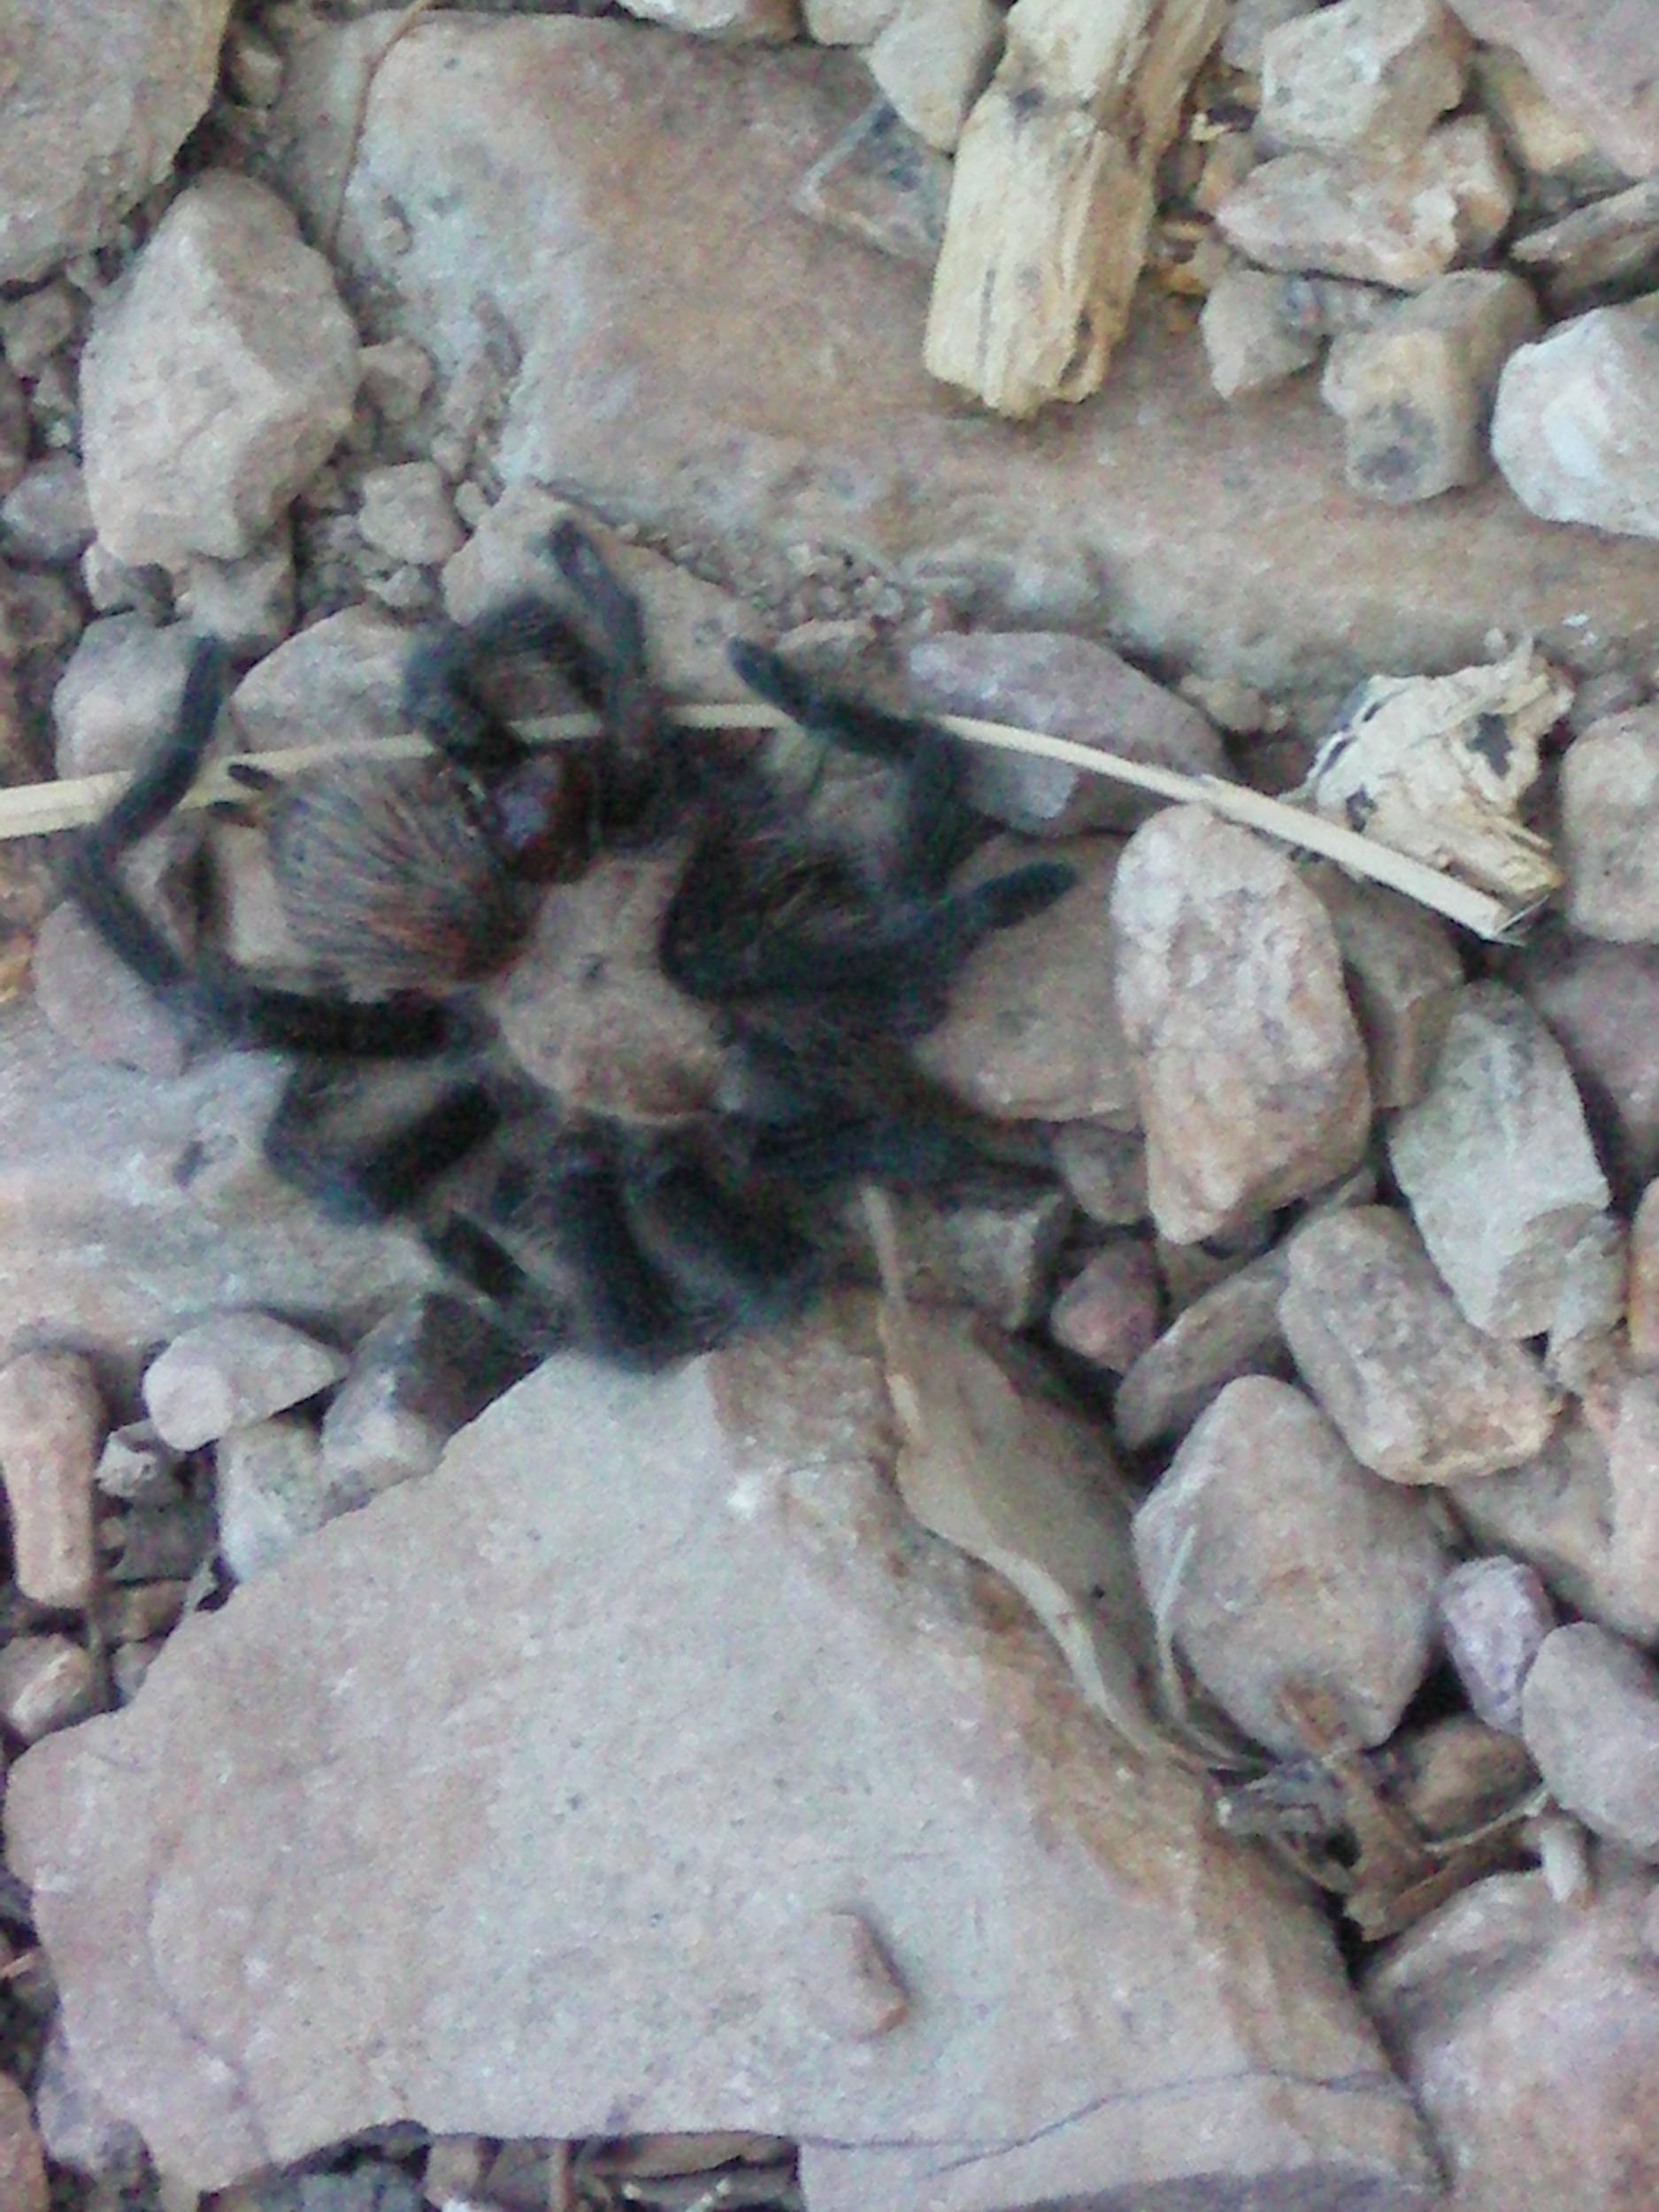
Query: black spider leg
pixel 212 990
pixel 927 923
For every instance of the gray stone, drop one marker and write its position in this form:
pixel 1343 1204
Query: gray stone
pixel 1404 973
pixel 1415 394
pixel 1251 335
pixel 1590 1715
pixel 846 22
pixel 1609 807
pixel 1250 25
pixel 77 2126
pixel 96 108
pixel 634 160
pixel 93 999
pixel 39 325
pixel 45 516
pixel 1642 1307
pixel 396 376
pixel 1062 687
pixel 1402 221
pixel 1540 137
pixel 737 22
pixel 1363 75
pixel 1574 427
pixel 1105 1170
pixel 1612 244
pixel 52 1424
pixel 995 1253
pixel 229 1371
pixel 1528 2027
pixel 215 380
pixel 882 185
pixel 119 694
pixel 1595 57
pixel 248 603
pixel 417 1377
pixel 1247 1062
pixel 1230 1331
pixel 273 1490
pixel 611 1864
pixel 1032 1033
pixel 1108 1314
pixel 46 1682
pixel 1418 1394
pixel 407 513
pixel 343 674
pixel 1557 1513
pixel 1601 1002
pixel 932 59
pixel 135 1465
pixel 1494 1615
pixel 1496 1162
pixel 1322 1577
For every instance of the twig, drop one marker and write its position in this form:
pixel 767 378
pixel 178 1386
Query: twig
pixel 36 810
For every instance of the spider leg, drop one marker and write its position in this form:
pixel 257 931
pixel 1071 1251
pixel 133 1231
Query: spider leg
pixel 938 828
pixel 374 1176
pixel 732 1255
pixel 639 773
pixel 446 702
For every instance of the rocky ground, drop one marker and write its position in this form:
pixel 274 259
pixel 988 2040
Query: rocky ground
pixel 1142 1697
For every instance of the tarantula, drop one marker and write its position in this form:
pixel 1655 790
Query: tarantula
pixel 819 963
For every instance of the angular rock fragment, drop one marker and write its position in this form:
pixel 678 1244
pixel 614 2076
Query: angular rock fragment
pixel 408 515
pixel 1052 200
pixel 1363 75
pixel 45 516
pixel 230 1371
pixel 1033 1031
pixel 118 694
pixel 1404 973
pixel 1230 1330
pixel 51 1426
pixel 1109 1314
pixel 216 380
pixel 1105 1170
pixel 608 1859
pixel 1576 426
pixel 46 1682
pixel 1418 1394
pixel 1252 336
pixel 1064 686
pixel 416 1378
pixel 1279 1563
pixel 882 185
pixel 249 603
pixel 1529 2031
pixel 1586 1343
pixel 1557 1513
pixel 1249 1065
pixel 1590 1714
pixel 1609 813
pixel 343 674
pixel 94 120
pixel 1613 242
pixel 1415 395
pixel 1401 222
pixel 273 1489
pixel 1496 1162
pixel 1494 1616
pixel 1595 56
pixel 931 59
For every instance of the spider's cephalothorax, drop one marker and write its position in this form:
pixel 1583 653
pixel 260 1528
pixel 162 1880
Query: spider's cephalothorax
pixel 818 963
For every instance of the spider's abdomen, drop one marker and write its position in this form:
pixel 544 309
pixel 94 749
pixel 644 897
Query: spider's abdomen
pixel 391 880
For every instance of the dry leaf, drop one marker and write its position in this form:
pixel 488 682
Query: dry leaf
pixel 1437 766
pixel 999 1472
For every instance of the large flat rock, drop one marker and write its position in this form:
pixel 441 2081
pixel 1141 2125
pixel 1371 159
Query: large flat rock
pixel 590 222
pixel 584 1788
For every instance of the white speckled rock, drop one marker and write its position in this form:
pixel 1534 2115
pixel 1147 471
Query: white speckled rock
pixel 1496 1162
pixel 1576 426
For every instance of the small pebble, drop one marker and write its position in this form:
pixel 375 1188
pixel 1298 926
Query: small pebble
pixel 1250 338
pixel 1232 1330
pixel 1609 814
pixel 397 378
pixel 1366 75
pixel 1105 1170
pixel 1109 1314
pixel 52 1427
pixel 407 514
pixel 137 1467
pixel 233 1371
pixel 46 1682
pixel 849 1980
pixel 1590 1715
pixel 1572 430
pixel 248 603
pixel 416 1378
pixel 274 1491
pixel 1494 1615
pixel 120 695
pixel 45 516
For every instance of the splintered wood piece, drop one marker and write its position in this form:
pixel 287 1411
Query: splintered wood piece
pixel 1052 200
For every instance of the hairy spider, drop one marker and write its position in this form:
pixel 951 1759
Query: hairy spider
pixel 819 961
